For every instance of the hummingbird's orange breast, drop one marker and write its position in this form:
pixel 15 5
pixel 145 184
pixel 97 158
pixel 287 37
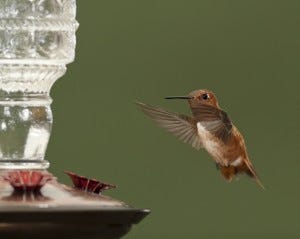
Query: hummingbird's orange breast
pixel 225 154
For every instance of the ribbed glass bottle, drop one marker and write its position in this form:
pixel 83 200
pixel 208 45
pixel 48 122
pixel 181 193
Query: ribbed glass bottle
pixel 37 40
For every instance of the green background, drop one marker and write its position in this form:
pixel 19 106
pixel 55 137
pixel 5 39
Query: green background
pixel 247 52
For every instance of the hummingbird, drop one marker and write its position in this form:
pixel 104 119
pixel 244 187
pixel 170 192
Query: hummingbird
pixel 210 128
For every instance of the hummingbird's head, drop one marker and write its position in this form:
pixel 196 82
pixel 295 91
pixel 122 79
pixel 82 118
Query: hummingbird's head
pixel 201 96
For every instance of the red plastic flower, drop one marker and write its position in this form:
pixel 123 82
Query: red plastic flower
pixel 89 185
pixel 27 180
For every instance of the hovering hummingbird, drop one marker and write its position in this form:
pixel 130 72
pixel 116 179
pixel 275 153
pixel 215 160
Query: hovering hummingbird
pixel 209 128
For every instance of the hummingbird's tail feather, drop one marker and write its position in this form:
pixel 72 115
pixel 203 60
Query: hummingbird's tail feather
pixel 257 180
pixel 229 172
pixel 252 173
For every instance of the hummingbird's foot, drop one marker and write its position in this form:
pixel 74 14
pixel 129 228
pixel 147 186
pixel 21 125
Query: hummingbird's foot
pixel 217 166
pixel 228 172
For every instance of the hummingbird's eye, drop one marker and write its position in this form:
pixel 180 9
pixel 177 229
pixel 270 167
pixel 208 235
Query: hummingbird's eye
pixel 205 96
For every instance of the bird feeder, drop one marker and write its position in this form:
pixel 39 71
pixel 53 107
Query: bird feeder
pixel 37 40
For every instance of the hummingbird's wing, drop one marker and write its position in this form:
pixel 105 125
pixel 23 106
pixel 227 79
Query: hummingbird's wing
pixel 215 120
pixel 182 126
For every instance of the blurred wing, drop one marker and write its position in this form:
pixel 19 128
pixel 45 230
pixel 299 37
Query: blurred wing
pixel 183 127
pixel 215 120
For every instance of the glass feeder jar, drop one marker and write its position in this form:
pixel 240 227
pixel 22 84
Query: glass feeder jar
pixel 37 40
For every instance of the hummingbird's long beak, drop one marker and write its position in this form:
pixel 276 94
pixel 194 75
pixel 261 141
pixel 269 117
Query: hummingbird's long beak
pixel 179 97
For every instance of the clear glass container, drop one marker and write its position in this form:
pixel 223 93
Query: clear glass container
pixel 37 40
